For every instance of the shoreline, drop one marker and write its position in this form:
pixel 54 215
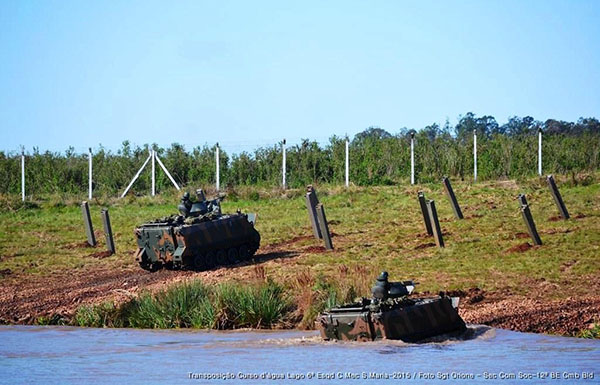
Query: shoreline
pixel 36 300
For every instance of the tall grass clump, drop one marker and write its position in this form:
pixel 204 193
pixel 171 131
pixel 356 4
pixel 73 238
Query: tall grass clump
pixel 315 294
pixel 312 296
pixel 255 306
pixel 593 332
pixel 106 314
pixel 194 305
pixel 180 306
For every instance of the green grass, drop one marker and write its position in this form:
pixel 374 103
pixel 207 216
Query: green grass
pixel 377 228
pixel 593 332
pixel 194 305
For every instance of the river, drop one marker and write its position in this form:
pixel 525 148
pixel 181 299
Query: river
pixel 70 355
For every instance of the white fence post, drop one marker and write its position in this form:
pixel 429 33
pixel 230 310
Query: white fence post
pixel 283 168
pixel 475 155
pixel 137 175
pixel 540 151
pixel 412 158
pixel 23 175
pixel 90 173
pixel 218 169
pixel 153 174
pixel 160 163
pixel 347 165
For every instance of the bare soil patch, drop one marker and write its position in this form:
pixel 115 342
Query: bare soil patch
pixel 24 298
pixel 77 245
pixel 315 249
pixel 520 248
pixel 5 272
pixel 504 310
pixel 100 254
pixel 424 246
pixel 567 316
pixel 557 231
pixel 289 242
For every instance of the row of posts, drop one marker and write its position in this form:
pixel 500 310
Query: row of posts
pixel 432 224
pixel 318 220
pixel 89 228
pixel 154 158
pixel 320 227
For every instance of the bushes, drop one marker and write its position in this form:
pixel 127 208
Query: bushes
pixel 194 305
pixel 376 158
pixel 181 306
pixel 103 315
pixel 230 306
pixel 250 306
pixel 315 294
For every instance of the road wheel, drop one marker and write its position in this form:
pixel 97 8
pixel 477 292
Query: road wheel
pixel 150 266
pixel 243 253
pixel 232 256
pixel 211 259
pixel 199 262
pixel 221 257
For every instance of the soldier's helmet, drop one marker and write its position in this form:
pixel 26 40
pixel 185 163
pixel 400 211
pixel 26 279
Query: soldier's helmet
pixel 380 290
pixel 200 195
pixel 185 205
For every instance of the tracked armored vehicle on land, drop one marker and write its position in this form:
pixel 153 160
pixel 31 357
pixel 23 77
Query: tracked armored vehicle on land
pixel 198 238
pixel 391 314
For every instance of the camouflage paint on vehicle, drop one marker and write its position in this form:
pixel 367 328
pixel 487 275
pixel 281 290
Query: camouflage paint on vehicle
pixel 196 241
pixel 392 316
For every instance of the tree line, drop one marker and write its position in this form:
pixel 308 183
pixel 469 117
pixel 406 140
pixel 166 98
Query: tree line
pixel 377 157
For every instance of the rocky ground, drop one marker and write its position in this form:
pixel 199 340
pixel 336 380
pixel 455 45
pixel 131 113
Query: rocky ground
pixel 534 315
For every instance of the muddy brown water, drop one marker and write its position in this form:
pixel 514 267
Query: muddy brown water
pixel 70 355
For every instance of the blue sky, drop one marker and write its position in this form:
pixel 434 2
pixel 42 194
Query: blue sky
pixel 245 74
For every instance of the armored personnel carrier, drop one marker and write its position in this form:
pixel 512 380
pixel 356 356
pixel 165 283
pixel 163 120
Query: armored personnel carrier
pixel 391 314
pixel 198 238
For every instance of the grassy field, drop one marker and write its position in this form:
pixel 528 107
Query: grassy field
pixel 375 229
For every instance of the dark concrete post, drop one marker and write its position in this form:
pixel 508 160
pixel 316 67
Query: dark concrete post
pixel 110 243
pixel 455 207
pixel 324 227
pixel 425 213
pixel 522 200
pixel 435 223
pixel 87 222
pixel 311 203
pixel 562 209
pixel 528 218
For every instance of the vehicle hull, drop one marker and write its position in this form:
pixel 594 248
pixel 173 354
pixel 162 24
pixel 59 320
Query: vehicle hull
pixel 410 322
pixel 225 240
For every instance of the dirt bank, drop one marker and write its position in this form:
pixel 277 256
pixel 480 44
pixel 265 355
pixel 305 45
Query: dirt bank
pixel 515 312
pixel 26 298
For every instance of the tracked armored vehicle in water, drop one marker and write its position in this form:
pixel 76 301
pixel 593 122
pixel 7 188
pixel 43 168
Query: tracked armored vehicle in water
pixel 198 238
pixel 391 314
